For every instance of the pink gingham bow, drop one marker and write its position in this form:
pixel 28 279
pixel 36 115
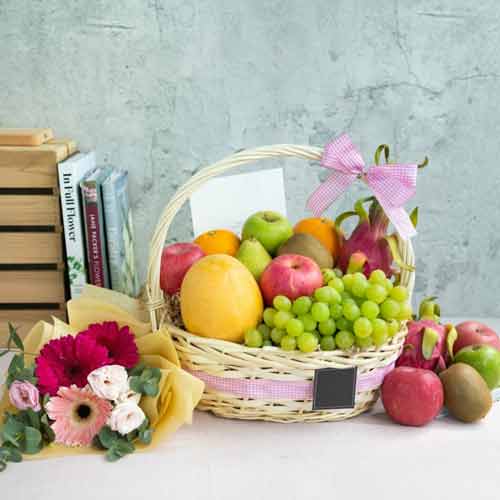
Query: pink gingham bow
pixel 393 185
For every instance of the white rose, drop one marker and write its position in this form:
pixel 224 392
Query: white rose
pixel 130 395
pixel 126 417
pixel 109 382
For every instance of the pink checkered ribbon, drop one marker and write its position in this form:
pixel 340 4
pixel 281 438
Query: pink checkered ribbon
pixel 393 185
pixel 281 389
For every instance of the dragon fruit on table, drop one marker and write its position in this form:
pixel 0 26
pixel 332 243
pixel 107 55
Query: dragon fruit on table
pixel 429 344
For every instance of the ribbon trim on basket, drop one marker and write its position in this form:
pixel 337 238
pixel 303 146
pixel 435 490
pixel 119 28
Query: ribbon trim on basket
pixel 280 389
pixel 392 184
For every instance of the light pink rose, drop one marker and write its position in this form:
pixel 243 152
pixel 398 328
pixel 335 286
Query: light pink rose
pixel 24 395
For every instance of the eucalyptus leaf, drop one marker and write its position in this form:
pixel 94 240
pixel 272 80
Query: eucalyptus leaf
pixel 146 436
pixel 137 370
pixel 135 384
pixel 4 352
pixel 34 418
pixel 3 466
pixel 112 456
pixel 10 454
pixel 32 440
pixel 12 431
pixel 107 437
pixel 150 388
pixel 146 374
pixel 124 447
pixel 144 425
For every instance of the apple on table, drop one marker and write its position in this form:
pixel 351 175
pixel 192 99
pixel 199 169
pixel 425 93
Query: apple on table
pixel 474 333
pixel 485 359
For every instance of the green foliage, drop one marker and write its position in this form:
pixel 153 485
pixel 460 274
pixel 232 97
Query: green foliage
pixel 118 446
pixel 145 380
pixel 24 432
pixel 17 369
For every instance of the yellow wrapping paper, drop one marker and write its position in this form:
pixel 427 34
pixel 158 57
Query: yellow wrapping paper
pixel 179 392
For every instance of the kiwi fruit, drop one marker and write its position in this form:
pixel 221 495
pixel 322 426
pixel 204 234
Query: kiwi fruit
pixel 466 394
pixel 308 246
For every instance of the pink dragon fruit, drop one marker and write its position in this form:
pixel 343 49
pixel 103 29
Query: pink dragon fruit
pixel 429 344
pixel 370 238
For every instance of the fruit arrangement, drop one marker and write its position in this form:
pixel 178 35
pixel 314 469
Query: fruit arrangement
pixel 222 283
pixel 323 290
pixel 443 365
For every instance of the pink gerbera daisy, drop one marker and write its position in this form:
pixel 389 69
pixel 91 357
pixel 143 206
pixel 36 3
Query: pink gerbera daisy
pixel 78 415
pixel 68 360
pixel 120 342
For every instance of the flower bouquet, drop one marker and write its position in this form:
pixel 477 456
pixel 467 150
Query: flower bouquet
pixel 103 382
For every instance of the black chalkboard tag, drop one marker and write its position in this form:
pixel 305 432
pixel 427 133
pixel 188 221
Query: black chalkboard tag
pixel 334 388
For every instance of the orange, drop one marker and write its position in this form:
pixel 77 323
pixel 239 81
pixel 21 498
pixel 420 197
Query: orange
pixel 218 241
pixel 322 229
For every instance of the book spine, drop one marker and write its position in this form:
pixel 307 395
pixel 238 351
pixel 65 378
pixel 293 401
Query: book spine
pixel 114 225
pixel 73 233
pixel 119 235
pixel 96 255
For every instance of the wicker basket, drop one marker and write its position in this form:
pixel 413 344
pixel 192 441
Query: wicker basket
pixel 222 363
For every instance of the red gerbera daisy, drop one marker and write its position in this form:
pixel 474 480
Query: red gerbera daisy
pixel 120 342
pixel 68 360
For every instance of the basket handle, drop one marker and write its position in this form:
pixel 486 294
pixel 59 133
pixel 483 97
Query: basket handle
pixel 154 299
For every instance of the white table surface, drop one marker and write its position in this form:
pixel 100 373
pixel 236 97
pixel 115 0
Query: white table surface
pixel 367 457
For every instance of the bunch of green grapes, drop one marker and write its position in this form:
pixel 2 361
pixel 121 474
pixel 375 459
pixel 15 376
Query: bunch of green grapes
pixel 348 310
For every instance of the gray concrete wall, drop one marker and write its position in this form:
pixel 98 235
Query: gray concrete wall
pixel 162 87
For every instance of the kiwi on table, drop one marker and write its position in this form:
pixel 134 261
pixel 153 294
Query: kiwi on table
pixel 466 394
pixel 308 246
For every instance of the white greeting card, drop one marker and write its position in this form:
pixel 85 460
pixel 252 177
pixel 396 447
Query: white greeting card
pixel 226 202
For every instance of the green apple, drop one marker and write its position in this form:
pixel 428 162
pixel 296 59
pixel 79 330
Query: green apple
pixel 254 256
pixel 270 228
pixel 485 359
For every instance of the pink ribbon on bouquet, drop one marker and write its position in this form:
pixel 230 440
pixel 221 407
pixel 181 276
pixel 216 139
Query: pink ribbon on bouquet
pixel 393 185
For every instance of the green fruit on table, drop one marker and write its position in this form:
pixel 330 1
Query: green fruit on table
pixel 485 359
pixel 253 256
pixel 270 228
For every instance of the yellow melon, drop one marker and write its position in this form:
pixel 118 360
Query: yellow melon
pixel 220 298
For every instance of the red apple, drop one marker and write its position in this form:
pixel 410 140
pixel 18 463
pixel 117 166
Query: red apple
pixel 412 396
pixel 290 275
pixel 176 259
pixel 473 333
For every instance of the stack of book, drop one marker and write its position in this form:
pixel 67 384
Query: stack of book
pixel 97 226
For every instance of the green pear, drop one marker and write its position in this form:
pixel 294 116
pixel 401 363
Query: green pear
pixel 254 256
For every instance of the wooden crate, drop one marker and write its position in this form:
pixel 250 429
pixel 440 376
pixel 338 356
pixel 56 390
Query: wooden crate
pixel 32 275
pixel 24 319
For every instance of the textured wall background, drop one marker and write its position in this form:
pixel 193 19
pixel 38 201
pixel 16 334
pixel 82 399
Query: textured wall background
pixel 162 87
